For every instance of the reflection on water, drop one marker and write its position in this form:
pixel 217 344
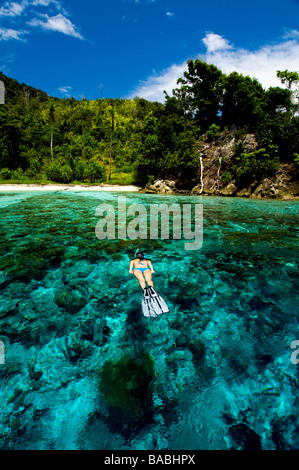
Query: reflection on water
pixel 85 370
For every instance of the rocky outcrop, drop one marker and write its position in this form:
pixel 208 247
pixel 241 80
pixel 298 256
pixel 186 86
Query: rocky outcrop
pixel 282 185
pixel 214 176
pixel 164 187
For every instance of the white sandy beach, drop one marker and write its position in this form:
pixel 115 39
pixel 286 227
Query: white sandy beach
pixel 65 187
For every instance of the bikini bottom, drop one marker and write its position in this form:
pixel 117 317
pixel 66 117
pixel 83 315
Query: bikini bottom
pixel 141 269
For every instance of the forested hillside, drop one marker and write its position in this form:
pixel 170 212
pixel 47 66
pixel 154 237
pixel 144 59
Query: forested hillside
pixel 125 141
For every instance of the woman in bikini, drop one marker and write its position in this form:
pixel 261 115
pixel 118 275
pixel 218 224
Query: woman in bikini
pixel 143 270
pixel 152 303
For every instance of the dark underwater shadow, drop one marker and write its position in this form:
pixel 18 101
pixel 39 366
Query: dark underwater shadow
pixel 136 325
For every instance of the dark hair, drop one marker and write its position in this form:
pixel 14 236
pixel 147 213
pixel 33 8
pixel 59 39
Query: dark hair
pixel 139 255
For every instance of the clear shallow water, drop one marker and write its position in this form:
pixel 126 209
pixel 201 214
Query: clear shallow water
pixel 84 370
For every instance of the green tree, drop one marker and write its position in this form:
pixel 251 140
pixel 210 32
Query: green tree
pixel 213 133
pixel 291 80
pixel 112 113
pixel 201 92
pixel 242 101
pixel 255 164
pixel 11 143
pixel 95 172
pixel 287 78
pixel 147 158
pixel 277 100
pixel 52 120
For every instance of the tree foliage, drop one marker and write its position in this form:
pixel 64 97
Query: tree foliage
pixel 214 101
pixel 67 140
pixel 201 92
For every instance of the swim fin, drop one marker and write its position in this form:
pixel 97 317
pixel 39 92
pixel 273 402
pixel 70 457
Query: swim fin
pixel 152 304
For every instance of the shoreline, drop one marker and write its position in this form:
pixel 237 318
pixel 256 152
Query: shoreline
pixel 11 187
pixel 65 187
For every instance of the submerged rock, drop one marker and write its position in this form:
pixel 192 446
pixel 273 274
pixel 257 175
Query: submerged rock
pixel 244 437
pixel 84 369
pixel 70 299
pixel 127 386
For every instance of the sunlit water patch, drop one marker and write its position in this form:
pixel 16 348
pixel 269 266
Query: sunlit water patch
pixel 84 369
pixel 14 197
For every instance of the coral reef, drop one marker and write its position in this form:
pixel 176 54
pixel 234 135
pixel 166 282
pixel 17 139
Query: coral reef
pixel 84 370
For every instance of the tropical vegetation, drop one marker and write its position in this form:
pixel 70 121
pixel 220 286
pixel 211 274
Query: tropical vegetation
pixel 47 139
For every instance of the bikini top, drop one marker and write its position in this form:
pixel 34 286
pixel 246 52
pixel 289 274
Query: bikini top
pixel 140 262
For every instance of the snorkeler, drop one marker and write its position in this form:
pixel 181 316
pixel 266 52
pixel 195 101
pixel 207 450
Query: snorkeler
pixel 152 303
pixel 143 270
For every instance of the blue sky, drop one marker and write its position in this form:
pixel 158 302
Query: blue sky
pixel 127 48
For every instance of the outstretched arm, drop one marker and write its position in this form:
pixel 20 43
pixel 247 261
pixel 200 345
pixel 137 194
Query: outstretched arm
pixel 131 267
pixel 151 267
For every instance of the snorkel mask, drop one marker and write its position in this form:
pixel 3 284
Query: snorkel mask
pixel 139 254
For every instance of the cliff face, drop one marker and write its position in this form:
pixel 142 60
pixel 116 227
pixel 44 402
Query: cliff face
pixel 215 161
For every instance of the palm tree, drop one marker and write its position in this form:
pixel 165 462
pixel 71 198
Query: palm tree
pixel 52 118
pixel 111 135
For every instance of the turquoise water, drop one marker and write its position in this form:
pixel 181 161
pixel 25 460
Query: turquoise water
pixel 83 369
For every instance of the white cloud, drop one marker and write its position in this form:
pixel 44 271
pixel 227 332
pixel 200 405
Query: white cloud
pixel 4 69
pixel 48 3
pixel 170 14
pixel 291 34
pixel 45 3
pixel 7 34
pixel 65 90
pixel 214 42
pixel 57 23
pixel 7 59
pixel 152 88
pixel 13 9
pixel 262 64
